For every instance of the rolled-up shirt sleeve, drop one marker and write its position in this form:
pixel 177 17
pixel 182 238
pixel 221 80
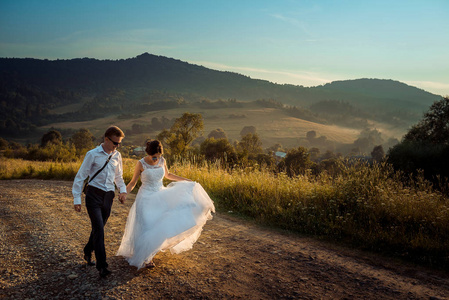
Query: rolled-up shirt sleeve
pixel 82 174
pixel 119 182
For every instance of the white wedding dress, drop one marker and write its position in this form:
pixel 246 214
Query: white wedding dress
pixel 162 218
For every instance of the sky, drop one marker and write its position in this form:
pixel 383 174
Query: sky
pixel 296 42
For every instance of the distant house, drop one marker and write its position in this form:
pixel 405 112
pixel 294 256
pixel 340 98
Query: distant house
pixel 279 155
pixel 139 151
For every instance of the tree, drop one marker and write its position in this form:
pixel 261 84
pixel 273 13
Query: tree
pixel 247 129
pixel 83 140
pixel 3 144
pixel 250 144
pixel 218 149
pixel 314 153
pixel 137 128
pixel 165 137
pixel 426 146
pixel 332 166
pixel 218 134
pixel 265 160
pixel 311 135
pixel 368 139
pixel 156 124
pixel 378 153
pixel 434 127
pixel 276 147
pixel 296 161
pixel 185 129
pixel 53 137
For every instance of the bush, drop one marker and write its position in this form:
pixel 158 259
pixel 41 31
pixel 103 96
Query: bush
pixel 51 152
pixel 218 150
pixel 412 157
pixel 296 162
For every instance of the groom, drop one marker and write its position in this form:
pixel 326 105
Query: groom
pixel 100 192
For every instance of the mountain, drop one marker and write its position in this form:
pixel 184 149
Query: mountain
pixel 374 93
pixel 31 90
pixel 141 74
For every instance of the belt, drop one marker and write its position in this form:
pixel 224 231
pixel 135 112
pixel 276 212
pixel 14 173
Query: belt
pixel 97 191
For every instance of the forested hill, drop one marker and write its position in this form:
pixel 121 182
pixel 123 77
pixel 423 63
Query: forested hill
pixel 141 74
pixel 31 88
pixel 150 72
pixel 377 93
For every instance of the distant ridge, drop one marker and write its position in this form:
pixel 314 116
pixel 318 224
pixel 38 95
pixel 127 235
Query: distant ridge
pixel 378 93
pixel 148 72
pixel 30 88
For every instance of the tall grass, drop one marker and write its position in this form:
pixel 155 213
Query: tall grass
pixel 365 205
pixel 27 169
pixel 19 169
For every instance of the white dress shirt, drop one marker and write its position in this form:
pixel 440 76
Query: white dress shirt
pixel 94 161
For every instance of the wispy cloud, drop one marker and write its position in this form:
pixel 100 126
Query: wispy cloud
pixel 293 22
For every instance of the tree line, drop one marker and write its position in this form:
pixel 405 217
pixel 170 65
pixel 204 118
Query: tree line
pixel 423 150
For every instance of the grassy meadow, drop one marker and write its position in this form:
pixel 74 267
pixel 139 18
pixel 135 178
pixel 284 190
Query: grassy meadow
pixel 366 206
pixel 273 125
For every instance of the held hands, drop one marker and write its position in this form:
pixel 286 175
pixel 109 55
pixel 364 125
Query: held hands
pixel 122 197
pixel 77 207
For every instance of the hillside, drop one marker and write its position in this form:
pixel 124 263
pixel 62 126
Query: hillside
pixel 274 125
pixel 375 93
pixel 36 93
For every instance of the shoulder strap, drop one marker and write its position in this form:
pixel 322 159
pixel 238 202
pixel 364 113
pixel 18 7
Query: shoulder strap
pixel 143 163
pixel 100 169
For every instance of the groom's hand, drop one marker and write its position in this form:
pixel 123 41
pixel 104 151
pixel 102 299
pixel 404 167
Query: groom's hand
pixel 122 198
pixel 78 207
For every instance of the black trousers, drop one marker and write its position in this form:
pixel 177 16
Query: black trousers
pixel 98 204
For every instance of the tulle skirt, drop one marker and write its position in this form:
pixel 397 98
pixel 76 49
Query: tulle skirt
pixel 171 218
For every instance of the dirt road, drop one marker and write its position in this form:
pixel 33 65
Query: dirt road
pixel 41 258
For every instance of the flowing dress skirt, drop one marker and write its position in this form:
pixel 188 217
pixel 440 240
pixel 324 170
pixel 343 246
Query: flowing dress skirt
pixel 170 218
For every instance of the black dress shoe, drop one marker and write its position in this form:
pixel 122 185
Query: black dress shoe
pixel 104 272
pixel 88 259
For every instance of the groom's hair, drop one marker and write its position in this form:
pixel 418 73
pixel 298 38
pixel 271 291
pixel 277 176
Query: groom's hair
pixel 114 131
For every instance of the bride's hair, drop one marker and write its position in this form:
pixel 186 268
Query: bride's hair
pixel 153 147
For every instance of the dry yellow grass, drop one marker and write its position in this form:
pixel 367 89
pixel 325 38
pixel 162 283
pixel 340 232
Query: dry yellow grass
pixel 367 205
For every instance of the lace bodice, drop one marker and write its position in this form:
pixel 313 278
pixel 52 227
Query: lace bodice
pixel 152 175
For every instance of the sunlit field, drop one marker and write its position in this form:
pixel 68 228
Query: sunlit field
pixel 281 128
pixel 367 206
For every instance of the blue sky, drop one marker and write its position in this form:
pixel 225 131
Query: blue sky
pixel 284 41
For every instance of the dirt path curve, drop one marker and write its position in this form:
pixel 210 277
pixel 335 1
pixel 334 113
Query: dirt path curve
pixel 41 258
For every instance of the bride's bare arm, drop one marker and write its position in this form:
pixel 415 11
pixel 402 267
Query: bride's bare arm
pixel 136 175
pixel 173 177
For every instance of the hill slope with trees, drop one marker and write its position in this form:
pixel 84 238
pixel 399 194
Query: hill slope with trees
pixel 30 90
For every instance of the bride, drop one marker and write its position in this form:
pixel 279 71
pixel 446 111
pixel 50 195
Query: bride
pixel 162 217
